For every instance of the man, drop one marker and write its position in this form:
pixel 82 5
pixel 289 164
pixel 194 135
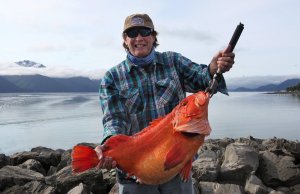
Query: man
pixel 146 85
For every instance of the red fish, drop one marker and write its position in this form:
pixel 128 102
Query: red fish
pixel 160 151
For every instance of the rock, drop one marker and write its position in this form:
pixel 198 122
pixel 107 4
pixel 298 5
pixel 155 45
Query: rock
pixel 20 157
pixel 255 186
pixel 109 177
pixel 283 146
pixel 295 189
pixel 253 142
pixel 196 186
pixel 206 168
pixel 278 170
pixel 65 160
pixel 40 149
pixel 15 175
pixel 47 157
pixel 31 187
pixel 4 160
pixel 216 188
pixel 80 189
pixel 52 170
pixel 276 192
pixel 216 144
pixel 34 165
pixel 228 165
pixel 64 180
pixel 114 189
pixel 283 189
pixel 240 160
pixel 93 145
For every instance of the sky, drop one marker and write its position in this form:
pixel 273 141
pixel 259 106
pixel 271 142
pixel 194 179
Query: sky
pixel 84 36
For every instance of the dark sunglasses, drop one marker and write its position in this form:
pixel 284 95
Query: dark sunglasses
pixel 133 33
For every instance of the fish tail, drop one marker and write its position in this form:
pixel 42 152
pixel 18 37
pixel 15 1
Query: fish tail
pixel 83 158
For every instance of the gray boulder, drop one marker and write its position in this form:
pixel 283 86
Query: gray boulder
pixel 20 157
pixel 114 189
pixel 64 180
pixel 79 189
pixel 65 160
pixel 15 175
pixel 276 170
pixel 240 160
pixel 217 188
pixel 4 160
pixel 34 165
pixel 29 188
pixel 206 167
pixel 47 157
pixel 295 188
pixel 255 186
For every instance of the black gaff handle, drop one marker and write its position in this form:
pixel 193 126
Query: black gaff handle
pixel 235 37
pixel 218 75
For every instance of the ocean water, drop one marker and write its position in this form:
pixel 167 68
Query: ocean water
pixel 61 120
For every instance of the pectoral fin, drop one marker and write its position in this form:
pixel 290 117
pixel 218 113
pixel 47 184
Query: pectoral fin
pixel 175 156
pixel 185 171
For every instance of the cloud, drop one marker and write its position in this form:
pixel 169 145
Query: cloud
pixel 14 69
pixel 188 33
pixel 87 33
pixel 46 48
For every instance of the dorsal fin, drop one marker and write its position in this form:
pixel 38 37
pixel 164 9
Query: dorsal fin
pixel 156 121
pixel 114 141
pixel 151 125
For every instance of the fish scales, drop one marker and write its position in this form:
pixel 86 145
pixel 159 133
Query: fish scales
pixel 160 151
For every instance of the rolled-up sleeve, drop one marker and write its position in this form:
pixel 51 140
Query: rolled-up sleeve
pixel 195 76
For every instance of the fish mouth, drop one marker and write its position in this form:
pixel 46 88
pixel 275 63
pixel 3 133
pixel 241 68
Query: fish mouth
pixel 188 134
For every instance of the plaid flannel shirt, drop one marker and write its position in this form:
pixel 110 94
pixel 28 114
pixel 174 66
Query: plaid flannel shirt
pixel 131 96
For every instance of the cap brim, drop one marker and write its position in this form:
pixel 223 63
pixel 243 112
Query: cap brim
pixel 138 26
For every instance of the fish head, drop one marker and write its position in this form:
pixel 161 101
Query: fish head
pixel 191 114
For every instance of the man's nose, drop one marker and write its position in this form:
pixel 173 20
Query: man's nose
pixel 139 36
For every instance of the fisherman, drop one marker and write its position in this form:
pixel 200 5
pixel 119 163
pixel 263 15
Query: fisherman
pixel 148 84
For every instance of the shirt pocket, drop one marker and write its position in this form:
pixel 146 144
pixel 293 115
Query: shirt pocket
pixel 166 93
pixel 131 100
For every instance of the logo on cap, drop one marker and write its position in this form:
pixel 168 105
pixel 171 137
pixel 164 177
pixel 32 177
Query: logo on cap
pixel 137 21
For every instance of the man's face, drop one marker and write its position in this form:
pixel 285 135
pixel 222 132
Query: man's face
pixel 139 41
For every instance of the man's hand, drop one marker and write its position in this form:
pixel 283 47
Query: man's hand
pixel 223 60
pixel 105 162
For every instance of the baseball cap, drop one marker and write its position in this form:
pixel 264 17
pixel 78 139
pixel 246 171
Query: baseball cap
pixel 138 20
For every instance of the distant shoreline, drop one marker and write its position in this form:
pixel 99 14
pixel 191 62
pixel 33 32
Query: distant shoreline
pixel 296 93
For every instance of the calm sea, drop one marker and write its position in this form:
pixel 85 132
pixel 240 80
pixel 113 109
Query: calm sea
pixel 61 120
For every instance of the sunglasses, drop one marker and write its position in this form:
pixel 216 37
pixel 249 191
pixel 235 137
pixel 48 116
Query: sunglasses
pixel 133 33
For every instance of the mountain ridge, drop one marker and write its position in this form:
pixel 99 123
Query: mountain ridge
pixel 41 83
pixel 28 63
pixel 270 87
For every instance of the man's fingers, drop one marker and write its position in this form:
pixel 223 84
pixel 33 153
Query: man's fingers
pixel 100 164
pixel 114 164
pixel 108 163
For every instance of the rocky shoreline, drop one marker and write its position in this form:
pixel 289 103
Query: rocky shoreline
pixel 243 165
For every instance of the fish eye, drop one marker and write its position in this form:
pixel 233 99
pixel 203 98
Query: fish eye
pixel 184 103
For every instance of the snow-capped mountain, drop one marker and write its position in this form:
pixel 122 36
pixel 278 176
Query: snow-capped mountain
pixel 28 63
